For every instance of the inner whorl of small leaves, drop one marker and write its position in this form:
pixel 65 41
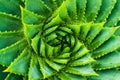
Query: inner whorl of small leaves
pixel 60 40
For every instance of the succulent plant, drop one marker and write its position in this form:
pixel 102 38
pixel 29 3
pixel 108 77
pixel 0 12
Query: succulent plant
pixel 59 39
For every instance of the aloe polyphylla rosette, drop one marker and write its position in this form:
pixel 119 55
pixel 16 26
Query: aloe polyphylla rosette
pixel 59 39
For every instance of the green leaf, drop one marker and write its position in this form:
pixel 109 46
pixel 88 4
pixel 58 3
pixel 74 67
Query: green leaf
pixel 107 75
pixel 108 61
pixel 11 76
pixel 50 30
pixel 53 78
pixel 63 13
pixel 8 38
pixel 46 70
pixel 114 17
pixel 51 37
pixel 110 45
pixel 51 4
pixel 94 31
pixel 39 7
pixel 32 30
pixel 81 6
pixel 82 51
pixel 35 43
pixel 68 76
pixel 54 22
pixel 71 8
pixel 103 36
pixel 34 70
pixel 92 8
pixel 29 17
pixel 21 64
pixel 75 29
pixel 59 2
pixel 10 7
pixel 105 10
pixel 82 70
pixel 55 66
pixel 77 46
pixel 7 20
pixel 117 33
pixel 66 29
pixel 84 29
pixel 8 54
pixel 82 61
pixel 41 47
pixel 64 55
pixel 61 60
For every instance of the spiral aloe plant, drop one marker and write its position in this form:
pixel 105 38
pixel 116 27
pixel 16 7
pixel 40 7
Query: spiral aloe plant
pixel 59 39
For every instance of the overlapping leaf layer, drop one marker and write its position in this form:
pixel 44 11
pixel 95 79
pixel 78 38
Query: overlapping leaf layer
pixel 59 39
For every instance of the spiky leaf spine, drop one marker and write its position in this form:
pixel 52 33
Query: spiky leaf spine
pixel 59 39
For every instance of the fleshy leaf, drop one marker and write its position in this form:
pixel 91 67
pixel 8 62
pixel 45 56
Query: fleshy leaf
pixel 84 29
pixel 35 43
pixel 103 36
pixel 7 20
pixel 55 66
pixel 110 45
pixel 11 76
pixel 107 75
pixel 20 65
pixel 71 8
pixel 29 17
pixel 32 30
pixel 46 70
pixel 5 6
pixel 105 10
pixel 114 17
pixel 107 61
pixel 39 7
pixel 8 38
pixel 94 31
pixel 81 5
pixel 83 50
pixel 92 9
pixel 82 70
pixel 34 70
pixel 82 61
pixel 7 55
pixel 68 76
pixel 51 4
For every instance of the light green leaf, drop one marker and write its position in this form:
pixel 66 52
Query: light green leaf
pixel 8 38
pixel 68 76
pixel 34 70
pixel 81 6
pixel 29 17
pixel 8 54
pixel 107 75
pixel 105 10
pixel 114 17
pixel 82 70
pixel 108 61
pixel 103 36
pixel 21 64
pixel 92 8
pixel 55 66
pixel 110 45
pixel 39 7
pixel 6 20
pixel 46 70
pixel 82 61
